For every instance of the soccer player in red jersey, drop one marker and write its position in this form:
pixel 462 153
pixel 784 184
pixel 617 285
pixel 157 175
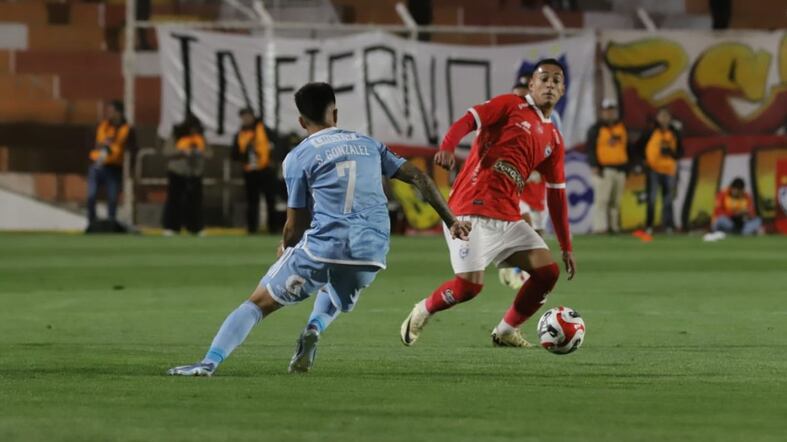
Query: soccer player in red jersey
pixel 514 137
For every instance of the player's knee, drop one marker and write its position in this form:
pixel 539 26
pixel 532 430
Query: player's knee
pixel 264 301
pixel 466 290
pixel 547 275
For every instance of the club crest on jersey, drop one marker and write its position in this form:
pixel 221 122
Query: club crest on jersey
pixel 548 150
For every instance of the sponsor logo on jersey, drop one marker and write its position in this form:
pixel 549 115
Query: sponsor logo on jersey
pixel 294 284
pixel 333 138
pixel 524 125
pixel 511 173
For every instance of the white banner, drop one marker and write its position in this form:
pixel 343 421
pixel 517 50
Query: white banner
pixel 396 90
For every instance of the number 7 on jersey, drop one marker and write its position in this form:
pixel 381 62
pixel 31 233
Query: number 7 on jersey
pixel 347 168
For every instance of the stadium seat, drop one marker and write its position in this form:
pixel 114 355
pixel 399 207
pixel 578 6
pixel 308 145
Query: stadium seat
pixel 27 86
pixel 33 110
pixel 5 61
pixel 75 62
pixel 33 13
pixel 66 38
pixel 92 86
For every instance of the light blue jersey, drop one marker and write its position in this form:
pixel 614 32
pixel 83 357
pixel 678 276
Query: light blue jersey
pixel 337 174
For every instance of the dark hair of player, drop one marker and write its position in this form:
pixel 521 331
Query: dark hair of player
pixel 737 183
pixel 246 111
pixel 118 106
pixel 550 61
pixel 313 99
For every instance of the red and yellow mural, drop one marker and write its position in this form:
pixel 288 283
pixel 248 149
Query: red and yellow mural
pixel 728 91
pixel 713 83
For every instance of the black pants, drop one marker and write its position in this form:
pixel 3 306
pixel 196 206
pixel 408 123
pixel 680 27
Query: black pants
pixel 260 182
pixel 184 203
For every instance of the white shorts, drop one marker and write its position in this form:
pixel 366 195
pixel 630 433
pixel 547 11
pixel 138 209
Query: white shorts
pixel 491 241
pixel 538 217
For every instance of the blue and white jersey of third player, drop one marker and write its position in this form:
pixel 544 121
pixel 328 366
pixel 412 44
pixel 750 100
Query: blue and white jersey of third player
pixel 338 175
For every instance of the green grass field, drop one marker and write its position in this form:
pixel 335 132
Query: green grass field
pixel 686 341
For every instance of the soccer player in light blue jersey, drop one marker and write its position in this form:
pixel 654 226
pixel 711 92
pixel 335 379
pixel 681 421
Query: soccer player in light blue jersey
pixel 337 232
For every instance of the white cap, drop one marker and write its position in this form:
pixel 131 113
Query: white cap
pixel 609 103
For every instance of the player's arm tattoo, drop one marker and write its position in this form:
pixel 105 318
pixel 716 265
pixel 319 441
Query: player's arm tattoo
pixel 413 175
pixel 298 221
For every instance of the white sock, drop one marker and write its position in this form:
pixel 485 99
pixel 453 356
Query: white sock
pixel 504 327
pixel 422 307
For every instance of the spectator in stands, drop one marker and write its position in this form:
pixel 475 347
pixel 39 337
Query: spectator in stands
pixel 252 147
pixel 734 211
pixel 186 152
pixel 662 147
pixel 607 148
pixel 112 138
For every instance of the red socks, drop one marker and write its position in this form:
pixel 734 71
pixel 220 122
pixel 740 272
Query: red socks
pixel 532 295
pixel 452 292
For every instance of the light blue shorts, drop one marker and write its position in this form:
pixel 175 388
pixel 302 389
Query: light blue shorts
pixel 296 276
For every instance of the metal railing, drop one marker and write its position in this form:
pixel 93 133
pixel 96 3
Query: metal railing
pixel 226 182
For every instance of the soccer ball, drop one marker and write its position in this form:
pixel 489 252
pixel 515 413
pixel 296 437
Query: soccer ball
pixel 561 330
pixel 513 277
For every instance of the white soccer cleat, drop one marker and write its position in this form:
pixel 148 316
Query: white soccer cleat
pixel 198 369
pixel 512 338
pixel 414 324
pixel 305 352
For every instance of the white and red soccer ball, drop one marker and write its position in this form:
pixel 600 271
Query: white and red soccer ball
pixel 561 330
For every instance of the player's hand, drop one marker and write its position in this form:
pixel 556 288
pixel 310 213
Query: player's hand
pixel 596 171
pixel 461 230
pixel 571 266
pixel 445 159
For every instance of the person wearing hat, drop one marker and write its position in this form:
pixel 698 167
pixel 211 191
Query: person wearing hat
pixel 106 168
pixel 607 149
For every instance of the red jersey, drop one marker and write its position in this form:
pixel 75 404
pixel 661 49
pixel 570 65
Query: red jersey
pixel 535 194
pixel 514 139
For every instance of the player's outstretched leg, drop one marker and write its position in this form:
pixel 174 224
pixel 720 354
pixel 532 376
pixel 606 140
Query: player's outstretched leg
pixel 452 292
pixel 543 276
pixel 232 333
pixel 323 314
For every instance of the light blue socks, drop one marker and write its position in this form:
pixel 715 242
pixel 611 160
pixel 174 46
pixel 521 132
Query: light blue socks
pixel 324 311
pixel 233 332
